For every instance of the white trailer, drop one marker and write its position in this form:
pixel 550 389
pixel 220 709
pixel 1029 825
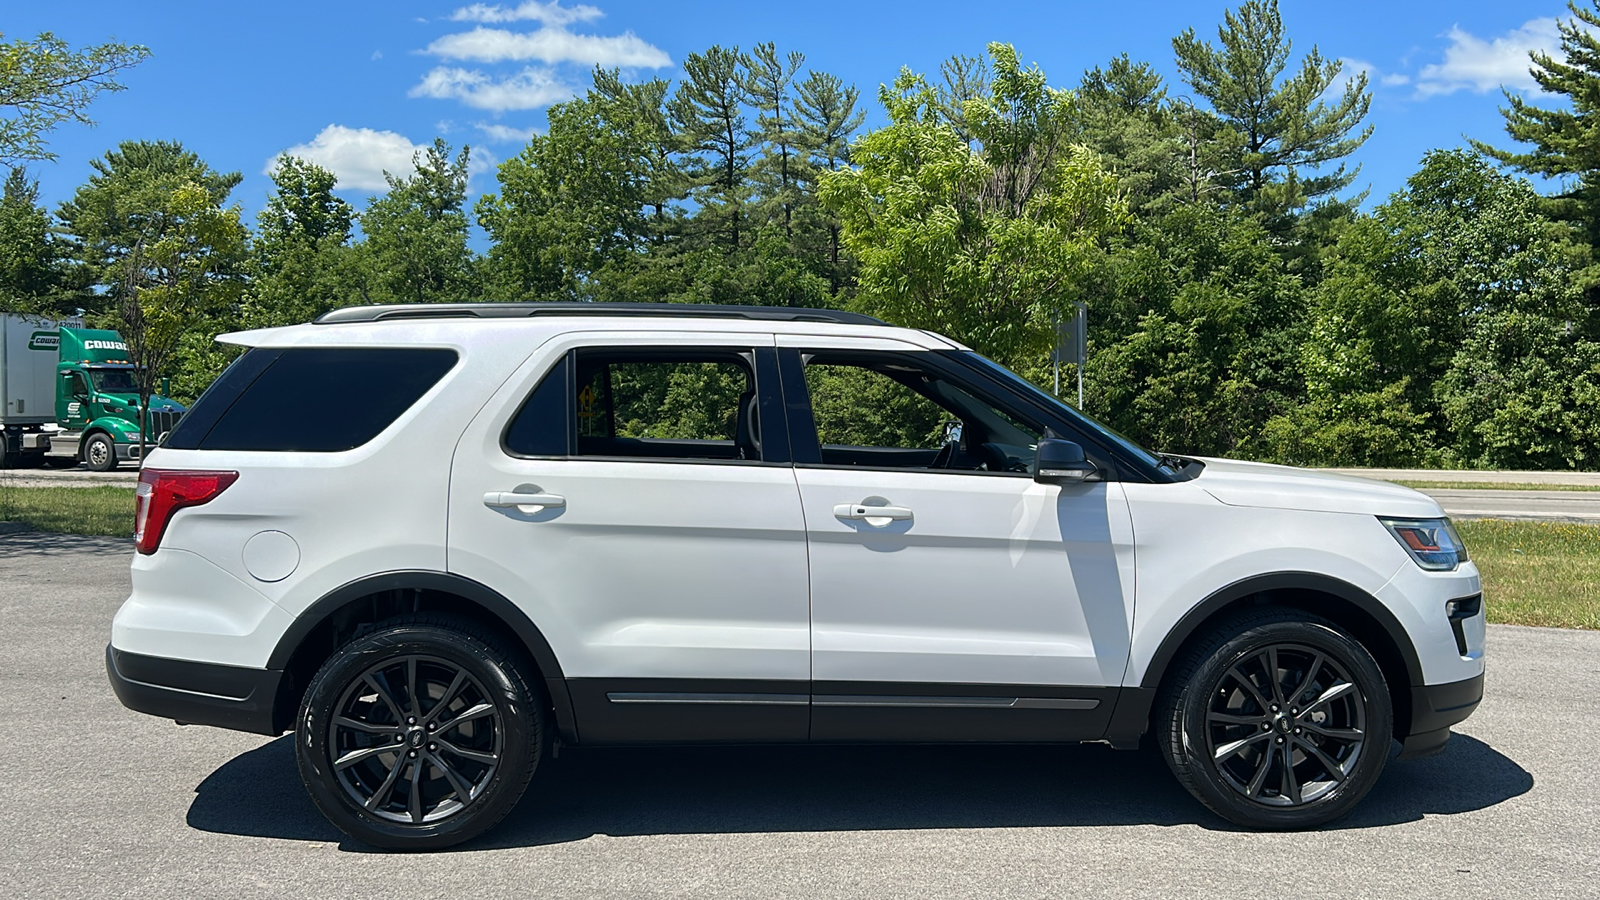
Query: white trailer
pixel 29 351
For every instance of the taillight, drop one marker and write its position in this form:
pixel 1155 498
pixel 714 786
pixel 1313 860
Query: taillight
pixel 163 492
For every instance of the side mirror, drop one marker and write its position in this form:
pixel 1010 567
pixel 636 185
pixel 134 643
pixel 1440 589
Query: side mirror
pixel 1062 462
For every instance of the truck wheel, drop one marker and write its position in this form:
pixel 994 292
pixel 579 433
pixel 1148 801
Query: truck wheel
pixel 420 735
pixel 100 453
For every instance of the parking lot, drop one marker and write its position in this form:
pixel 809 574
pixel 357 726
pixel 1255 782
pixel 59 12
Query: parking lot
pixel 102 802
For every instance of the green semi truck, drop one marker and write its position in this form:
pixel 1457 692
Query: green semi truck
pixel 69 395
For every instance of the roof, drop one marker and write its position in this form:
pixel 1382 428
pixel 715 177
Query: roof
pixel 380 313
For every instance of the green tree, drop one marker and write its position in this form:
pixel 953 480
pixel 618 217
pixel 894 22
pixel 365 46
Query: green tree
pixel 302 260
pixel 1565 139
pixel 577 199
pixel 769 84
pixel 1449 324
pixel 707 113
pixel 415 248
pixel 1124 115
pixel 825 110
pixel 151 227
pixel 123 208
pixel 34 274
pixel 1273 127
pixel 983 243
pixel 44 82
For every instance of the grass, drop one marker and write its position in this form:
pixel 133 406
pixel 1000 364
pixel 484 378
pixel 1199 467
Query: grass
pixel 106 510
pixel 1537 573
pixel 1494 486
pixel 1534 573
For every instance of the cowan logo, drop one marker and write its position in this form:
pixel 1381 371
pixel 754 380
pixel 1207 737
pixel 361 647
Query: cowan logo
pixel 44 340
pixel 104 345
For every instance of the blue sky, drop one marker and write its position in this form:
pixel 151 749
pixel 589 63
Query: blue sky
pixel 357 85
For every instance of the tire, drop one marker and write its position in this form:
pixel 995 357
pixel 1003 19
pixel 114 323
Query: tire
pixel 407 796
pixel 1226 729
pixel 99 453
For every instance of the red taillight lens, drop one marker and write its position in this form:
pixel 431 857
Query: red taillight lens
pixel 163 492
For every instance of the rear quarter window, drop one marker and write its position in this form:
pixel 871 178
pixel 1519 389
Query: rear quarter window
pixel 309 399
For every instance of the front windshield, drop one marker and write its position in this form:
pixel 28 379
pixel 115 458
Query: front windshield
pixel 113 381
pixel 1082 420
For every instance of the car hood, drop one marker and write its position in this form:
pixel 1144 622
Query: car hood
pixel 1239 483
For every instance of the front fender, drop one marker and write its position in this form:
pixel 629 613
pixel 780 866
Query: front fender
pixel 119 428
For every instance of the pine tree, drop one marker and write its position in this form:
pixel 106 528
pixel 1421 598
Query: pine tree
pixel 707 112
pixel 33 266
pixel 768 85
pixel 825 108
pixel 1566 142
pixel 1272 129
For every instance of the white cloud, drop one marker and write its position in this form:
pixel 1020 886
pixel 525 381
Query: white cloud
pixel 529 89
pixel 358 156
pixel 1471 63
pixel 1394 79
pixel 550 44
pixel 552 13
pixel 505 134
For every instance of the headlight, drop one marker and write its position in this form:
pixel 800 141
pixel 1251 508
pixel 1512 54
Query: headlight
pixel 1432 543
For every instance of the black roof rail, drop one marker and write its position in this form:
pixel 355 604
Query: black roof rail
pixel 514 310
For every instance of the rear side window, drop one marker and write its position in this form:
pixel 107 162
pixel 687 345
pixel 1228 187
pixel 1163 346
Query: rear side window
pixel 310 399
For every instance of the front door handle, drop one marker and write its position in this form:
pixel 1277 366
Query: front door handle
pixel 503 499
pixel 870 514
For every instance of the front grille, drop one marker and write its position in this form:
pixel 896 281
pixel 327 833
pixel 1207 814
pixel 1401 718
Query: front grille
pixel 161 422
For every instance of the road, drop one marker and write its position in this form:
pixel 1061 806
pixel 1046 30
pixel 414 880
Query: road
pixel 102 802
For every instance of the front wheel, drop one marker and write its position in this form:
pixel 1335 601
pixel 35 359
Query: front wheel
pixel 419 735
pixel 1278 720
pixel 99 453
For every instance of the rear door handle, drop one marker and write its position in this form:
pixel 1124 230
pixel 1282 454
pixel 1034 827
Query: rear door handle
pixel 858 512
pixel 503 499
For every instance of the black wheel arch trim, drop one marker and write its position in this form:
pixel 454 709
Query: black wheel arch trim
pixel 1193 620
pixel 490 600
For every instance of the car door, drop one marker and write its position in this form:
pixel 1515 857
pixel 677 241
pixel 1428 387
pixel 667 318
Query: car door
pixel 633 494
pixel 952 596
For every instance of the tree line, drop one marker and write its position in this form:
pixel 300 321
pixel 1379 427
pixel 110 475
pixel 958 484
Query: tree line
pixel 1241 302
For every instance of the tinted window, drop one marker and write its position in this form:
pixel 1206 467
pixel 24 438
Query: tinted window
pixel 666 404
pixel 311 399
pixel 883 411
pixel 540 428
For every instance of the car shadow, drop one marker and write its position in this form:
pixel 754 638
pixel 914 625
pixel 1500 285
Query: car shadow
pixel 711 790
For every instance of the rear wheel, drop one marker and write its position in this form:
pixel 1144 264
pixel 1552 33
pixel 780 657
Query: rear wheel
pixel 1278 720
pixel 420 735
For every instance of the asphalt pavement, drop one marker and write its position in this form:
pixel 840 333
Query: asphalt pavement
pixel 103 802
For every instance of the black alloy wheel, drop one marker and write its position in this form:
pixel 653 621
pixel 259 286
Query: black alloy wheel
pixel 419 735
pixel 1286 725
pixel 1278 720
pixel 415 739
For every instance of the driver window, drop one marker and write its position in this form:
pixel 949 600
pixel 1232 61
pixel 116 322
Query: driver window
pixel 888 413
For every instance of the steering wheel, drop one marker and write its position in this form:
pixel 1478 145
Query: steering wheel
pixel 945 458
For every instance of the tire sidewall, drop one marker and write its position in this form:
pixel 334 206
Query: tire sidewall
pixel 1363 671
pixel 515 703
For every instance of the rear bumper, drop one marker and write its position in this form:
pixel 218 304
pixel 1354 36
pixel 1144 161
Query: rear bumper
pixel 196 693
pixel 1434 708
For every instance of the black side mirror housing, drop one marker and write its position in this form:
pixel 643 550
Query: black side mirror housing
pixel 1059 461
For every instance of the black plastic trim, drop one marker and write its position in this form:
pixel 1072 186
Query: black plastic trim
pixel 918 712
pixel 1196 617
pixel 690 710
pixel 487 598
pixel 196 693
pixel 513 310
pixel 1436 706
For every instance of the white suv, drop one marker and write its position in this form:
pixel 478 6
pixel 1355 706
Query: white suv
pixel 434 541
